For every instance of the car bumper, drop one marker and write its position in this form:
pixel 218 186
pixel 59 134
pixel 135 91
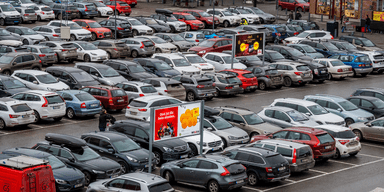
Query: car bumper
pixel 108 13
pixel 238 142
pixel 327 155
pixel 49 114
pixel 181 29
pixel 30 18
pixel 123 34
pixel 18 121
pixel 320 77
pixel 85 37
pixel 364 70
pixel 95 58
pixel 67 56
pixel 196 27
pixel 304 166
pixel 233 91
pixel 342 75
pixel 145 52
pixel 12 20
pixel 72 186
pixel 248 87
pixel 349 149
pixel 45 16
pixel 234 185
pixel 176 155
pixel 142 166
pixel 90 14
pixel 122 106
pixel 205 94
pixel 87 112
pixel 48 60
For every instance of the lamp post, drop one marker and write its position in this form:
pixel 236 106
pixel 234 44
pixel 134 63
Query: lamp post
pixel 115 22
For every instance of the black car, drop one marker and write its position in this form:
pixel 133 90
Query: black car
pixel 292 30
pixel 150 22
pixel 251 60
pixel 228 33
pixel 157 67
pixel 370 92
pixel 75 152
pixel 344 46
pixel 123 28
pixel 67 178
pixel 371 104
pixel 289 52
pixel 6 35
pixel 129 70
pixel 64 12
pixel 75 78
pixel 119 148
pixel 10 86
pixel 273 56
pixel 324 47
pixel 164 150
pixel 261 164
pixel 319 71
pixel 306 25
pixel 267 77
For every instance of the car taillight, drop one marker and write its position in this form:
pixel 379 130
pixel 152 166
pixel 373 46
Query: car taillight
pixel 35 13
pixel 294 156
pixel 200 86
pixel 298 73
pixel 64 50
pixel 230 87
pixel 142 109
pixel 45 102
pixel 278 34
pixel 267 76
pixel 343 142
pixel 119 28
pixel 269 169
pixel 214 84
pixel 42 12
pixel 86 8
pixel 42 55
pixel 13 116
pixel 110 101
pixel 331 37
pixel 115 49
pixel 350 69
pixel 141 95
pixel 56 35
pixel 128 107
pixel 26 14
pixel 317 144
pixel 165 90
pixel 296 33
pixel 39 61
pixel 215 37
pixel 83 105
pixel 67 11
pixel 339 70
pixel 197 40
pixel 142 45
pixel 244 167
pixel 225 173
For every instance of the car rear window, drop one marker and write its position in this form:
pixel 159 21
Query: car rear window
pixel 200 36
pixel 135 103
pixel 29 11
pixel 275 159
pixel 325 138
pixel 68 45
pixel 147 43
pixel 46 50
pixel 302 68
pixel 148 89
pixel 348 134
pixel 118 93
pixel 204 82
pixel 284 152
pixel 160 187
pixel 378 57
pixel 280 29
pixel 57 30
pixel 304 152
pixel 248 75
pixel 85 97
pixel 174 86
pixel 46 9
pixel 235 168
pixel 20 108
pixel 54 99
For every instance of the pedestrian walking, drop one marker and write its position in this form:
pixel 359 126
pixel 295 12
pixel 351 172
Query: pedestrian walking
pixel 104 118
pixel 290 16
pixel 368 24
pixel 298 15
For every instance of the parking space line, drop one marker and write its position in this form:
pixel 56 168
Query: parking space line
pixel 314 170
pixel 372 145
pixel 4 133
pixel 178 190
pixel 371 156
pixel 290 180
pixel 245 187
pixel 342 162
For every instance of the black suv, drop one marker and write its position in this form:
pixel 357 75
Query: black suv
pixel 371 92
pixel 273 56
pixel 197 87
pixel 261 164
pixel 166 150
pixel 319 71
pixel 123 28
pixel 157 67
pixel 267 77
pixel 129 70
pixel 75 78
pixel 120 148
pixel 324 47
pixel 344 46
pixel 75 152
pixel 289 52
pixel 10 86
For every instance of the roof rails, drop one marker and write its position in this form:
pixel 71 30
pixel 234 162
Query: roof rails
pixel 229 106
pixel 245 149
pixel 134 178
pixel 327 95
pixel 94 133
pixel 267 141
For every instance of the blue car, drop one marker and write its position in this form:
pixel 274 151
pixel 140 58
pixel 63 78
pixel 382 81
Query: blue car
pixel 67 178
pixel 209 33
pixel 324 47
pixel 360 63
pixel 80 103
pixel 277 29
pixel 342 107
pixel 86 9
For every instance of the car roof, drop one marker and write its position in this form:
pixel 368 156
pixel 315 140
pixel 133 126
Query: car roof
pixel 32 72
pixel 13 54
pixel 95 65
pixel 334 128
pixel 306 129
pixel 326 59
pixel 289 63
pixel 125 62
pixel 376 89
pixel 217 39
pixel 144 177
pixel 37 46
pixel 152 98
pixel 238 110
pixel 103 87
pixel 139 123
pixel 353 37
pixel 296 101
pixel 278 142
pixel 165 80
pixel 216 158
pixel 241 71
pixel 330 97
pixel 29 152
pixel 260 151
pixel 109 135
pixel 8 100
pixel 364 97
pixel 3 77
pixel 84 20
pixel 218 54
pixel 280 108
pixel 181 13
pixel 193 10
pixel 169 55
pixel 40 92
pixel 73 91
pixel 68 69
pixel 136 83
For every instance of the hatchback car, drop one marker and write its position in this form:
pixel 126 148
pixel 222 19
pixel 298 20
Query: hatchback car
pixel 226 85
pixel 309 34
pixel 212 45
pixel 371 92
pixel 30 37
pixel 177 62
pixel 136 89
pixel 86 9
pixel 39 80
pixel 224 173
pixel 199 63
pixel 88 52
pixel 77 32
pixel 46 54
pixel 307 50
pixel 336 68
pixel 223 61
pixel 360 63
pixel 299 5
pixel 111 98
pixel 10 86
pixel 370 104
pixel 370 130
pixel 80 103
pixel 267 77
pixel 165 16
pixel 155 25
pixel 119 27
pixel 293 73
pixel 105 74
pixel 27 14
pixel 191 22
pixel 204 17
pixel 114 49
pixel 168 87
pixel 182 44
pixel 75 78
pixel 139 47
pixel 193 36
pixel 44 12
pixel 15 113
pixel 137 27
pixel 121 8
pixel 64 50
pixel 64 11
pixel 226 18
pixel 18 60
pixel 197 87
pixel 97 31
pixel 130 70
pixel 161 46
pixel 247 78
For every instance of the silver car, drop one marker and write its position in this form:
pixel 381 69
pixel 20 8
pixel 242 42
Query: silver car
pixel 49 32
pixel 140 47
pixel 27 14
pixel 65 51
pixel 226 84
pixel 14 113
pixel 30 37
pixel 371 130
pixel 293 73
pixel 286 117
pixel 136 89
pixel 46 54
pixel 161 46
pixel 182 44
pixel 105 74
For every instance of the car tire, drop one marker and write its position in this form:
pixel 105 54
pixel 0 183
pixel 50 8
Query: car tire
pixel 25 42
pixel 36 68
pixel 252 179
pixel 213 186
pixel 330 77
pixel 158 50
pixel 226 24
pixel 280 8
pixel 2 22
pixel 46 39
pixel 93 37
pixel 2 124
pixel 38 18
pixel 353 154
pixel 253 134
pixel 134 54
pixel 87 58
pixel 117 12
pixel 169 177
pixel 348 122
pixel 337 154
pixel 287 81
pixel 262 85
pixel 59 17
pixel 194 151
pixel 33 21
pixel 70 113
pixel 358 134
pixel 172 29
pixel 188 27
pixel 109 55
pixel 37 116
pixel 57 118
pixel 321 81
pixel 191 96
pixel 261 20
pixel 72 37
pixel 7 73
pixel 124 167
pixel 87 178
pixel 99 14
pixel 157 156
pixel 225 145
pixel 178 48
pixel 300 9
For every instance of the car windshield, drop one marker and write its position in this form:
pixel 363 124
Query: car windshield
pixel 204 14
pixel 88 46
pixel 6 59
pixel 4 32
pixel 330 46
pixel 301 1
pixel 298 28
pixel 253 119
pixel 136 69
pixel 126 145
pixel 28 31
pixel 233 80
pixel 94 25
pixel 297 116
pixel 296 53
pixel 227 13
pixel 317 110
pixel 148 89
pixel 309 49
pixel 368 43
pixel 26 1
pixel 46 78
pixel 162 66
pixel 150 21
pixel 378 103
pixel 207 44
pixel 99 4
pixel 84 97
pixel 257 11
pixel 220 123
pixel 349 46
pixel 135 103
pixel 228 59
pixel 195 59
pixel 171 19
pixel 276 55
pixel 252 58
pixel 348 106
pixel 177 38
pixel 303 35
pixel 7 8
pixel 181 62
pixel 82 76
pixel 85 154
pixel 135 22
pixel 189 17
pixel 13 84
pixel 337 63
pixel 54 162
pixel 108 72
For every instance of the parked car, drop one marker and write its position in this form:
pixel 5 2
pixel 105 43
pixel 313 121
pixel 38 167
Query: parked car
pixel 210 33
pixel 264 17
pixel 168 87
pixel 370 104
pixel 247 78
pixel 277 30
pixel 10 86
pixel 368 130
pixel 249 16
pixel 62 11
pixel 130 70
pixel 361 43
pixel 319 71
pixel 267 77
pixel 9 15
pixel 27 14
pixel 114 49
pixel 199 63
pixel 136 89
pixel 197 87
pixel 225 17
pixel 251 60
pixel 309 34
pixel 102 9
pixel 165 16
pixel 161 46
pixel 223 61
pixel 121 7
pixel 204 17
pixel 360 63
pixel 88 52
pixel 324 47
pixel 285 117
pixel 139 47
pixel 307 50
pixel 377 59
pixel 65 51
pixel 157 67
pixel 371 92
pixel 293 73
pixel 273 57
pixel 336 68
pixel 97 31
pixel 119 27
pixel 344 45
pixel 80 103
pixel 19 60
pixel 177 62
pixel 150 22
pixel 229 33
pixel 164 150
pixel 191 22
pixel 289 52
pixel 39 80
pixel 105 74
pixel 181 44
pixel 15 113
pixel 299 5
pixel 86 9
pixel 306 25
pixel 292 30
pixel 6 35
pixel 226 85
pixel 211 143
pixel 77 32
pixel 111 98
pixel 29 36
pixel 49 32
pixel 75 78
pixel 46 54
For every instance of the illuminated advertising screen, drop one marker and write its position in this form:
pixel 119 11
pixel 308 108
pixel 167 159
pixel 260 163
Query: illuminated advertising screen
pixel 249 44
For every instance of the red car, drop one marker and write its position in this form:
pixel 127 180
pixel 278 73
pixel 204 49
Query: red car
pixel 212 45
pixel 97 31
pixel 204 17
pixel 121 7
pixel 299 5
pixel 110 97
pixel 191 22
pixel 248 79
pixel 131 3
pixel 322 143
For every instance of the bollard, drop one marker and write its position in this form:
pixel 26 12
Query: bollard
pixel 321 18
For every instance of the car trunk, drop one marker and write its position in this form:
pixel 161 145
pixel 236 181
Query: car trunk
pixel 69 48
pixel 137 107
pixel 119 97
pixel 54 104
pixel 236 170
pixel 304 72
pixel 303 155
pixel 326 143
pixel 205 84
pixel 176 90
pixel 22 112
pixel 322 71
pixel 278 164
pixel 250 77
pixel 148 46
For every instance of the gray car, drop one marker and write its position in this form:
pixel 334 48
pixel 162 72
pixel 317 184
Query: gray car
pixel 293 73
pixel 140 47
pixel 30 37
pixel 371 130
pixel 105 74
pixel 226 84
pixel 264 17
pixel 65 51
pixel 267 77
pixel 136 89
pixel 182 44
pixel 197 87
pixel 50 33
pixel 139 181
pixel 46 54
pixel 215 172
pixel 307 50
pixel 27 14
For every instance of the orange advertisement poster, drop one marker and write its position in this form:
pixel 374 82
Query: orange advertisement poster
pixel 378 16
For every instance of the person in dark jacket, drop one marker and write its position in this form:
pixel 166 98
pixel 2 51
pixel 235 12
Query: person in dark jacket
pixel 368 24
pixel 290 16
pixel 104 118
pixel 298 15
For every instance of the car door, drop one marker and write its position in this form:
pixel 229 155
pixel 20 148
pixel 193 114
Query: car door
pixel 105 148
pixel 239 121
pixel 28 61
pixel 203 171
pixel 17 63
pixel 141 137
pixel 80 51
pixel 67 158
pixel 280 135
pixel 376 130
pixel 187 171
pixel 281 119
pixel 32 82
pixel 368 106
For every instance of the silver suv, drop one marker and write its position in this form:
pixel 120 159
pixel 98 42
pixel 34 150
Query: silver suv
pixel 293 73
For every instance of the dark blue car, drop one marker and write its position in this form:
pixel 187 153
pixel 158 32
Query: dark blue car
pixel 324 47
pixel 80 103
pixel 360 63
pixel 157 67
pixel 67 178
pixel 86 9
pixel 276 30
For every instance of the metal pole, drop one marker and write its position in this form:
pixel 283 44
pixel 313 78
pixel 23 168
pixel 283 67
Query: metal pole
pixel 233 2
pixel 210 2
pixel 115 22
pixel 213 25
pixel 361 17
pixel 263 48
pixel 321 18
pixel 309 16
pixel 201 126
pixel 233 49
pixel 151 130
pixel 277 11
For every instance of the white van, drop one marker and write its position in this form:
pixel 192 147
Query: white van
pixel 8 14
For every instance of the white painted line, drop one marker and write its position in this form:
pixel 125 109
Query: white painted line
pixel 35 125
pixel 178 190
pixel 290 180
pixel 342 162
pixel 253 189
pixel 373 145
pixel 314 170
pixel 4 133
pixel 371 156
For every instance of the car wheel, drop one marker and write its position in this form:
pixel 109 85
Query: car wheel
pixel 87 58
pixel 99 14
pixel 7 73
pixel 224 143
pixel 157 157
pixel 190 96
pixel 72 38
pixel 38 18
pixel 25 42
pixel 70 113
pixel 117 12
pixel 253 134
pixel 353 154
pixel 57 118
pixel 59 17
pixel 213 186
pixel 194 151
pixel 354 73
pixel 109 55
pixel 337 154
pixel 2 124
pixel 178 48
pixel 262 85
pixel 37 116
pixel 158 50
pixel 261 20
pixel 280 7
pixel 46 38
pixel 358 134
pixel 2 22
pixel 135 33
pixel 134 54
pixel 300 9
pixel 330 77
pixel 124 167
pixel 87 177
pixel 188 27
pixel 349 122
pixel 173 29
pixel 287 81
pixel 93 36
pixel 169 177
pixel 252 179
pixel 226 24
pixel 205 25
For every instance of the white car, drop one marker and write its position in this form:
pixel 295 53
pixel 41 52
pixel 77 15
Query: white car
pixel 161 46
pixel 77 32
pixel 177 62
pixel 199 63
pixel 8 11
pixel 30 37
pixel 211 143
pixel 313 110
pixel 336 68
pixel 25 3
pixel 102 9
pixel 138 28
pixel 136 89
pixel 225 17
pixel 308 34
pixel 88 52
pixel 222 61
pixel 39 80
pixel 346 141
pixel 245 14
pixel 377 59
pixel 139 107
pixel 44 12
pixel 44 103
pixel 14 113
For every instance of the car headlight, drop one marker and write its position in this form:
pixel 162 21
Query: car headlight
pixel 362 118
pixel 232 19
pixel 109 82
pixel 231 137
pixel 204 143
pixel 98 172
pixel 210 20
pixel 195 24
pixel 93 54
pixel 60 181
pixel 132 159
pixel 167 149
pixel 202 51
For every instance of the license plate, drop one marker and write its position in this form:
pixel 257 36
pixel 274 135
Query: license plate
pixel 133 113
pixel 49 13
pixel 252 87
pixel 183 156
pixel 24 116
pixel 15 21
pixel 236 86
pixel 94 105
pixel 304 160
pixel 100 57
pixel 327 147
pixel 208 94
pixel 304 74
pixel 57 107
pixel 240 181
pixel 145 166
pixel 121 100
pixel 78 185
pixel 73 13
pixel 281 168
pixel 127 29
pixel 322 71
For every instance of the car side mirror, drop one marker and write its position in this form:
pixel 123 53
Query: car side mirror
pixel 215 46
pixel 171 64
pixel 180 165
pixel 110 150
pixel 79 49
pixel 71 159
pixel 307 113
pixel 210 129
pixel 169 40
pixel 221 62
pixel 339 109
pixel 368 124
pixel 242 124
pixel 14 63
pixel 35 82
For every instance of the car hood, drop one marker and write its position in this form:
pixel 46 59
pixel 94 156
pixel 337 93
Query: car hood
pixel 102 29
pixel 234 131
pixel 67 173
pixel 197 48
pixel 80 31
pixel 35 37
pixel 203 66
pixel 102 164
pixel 361 113
pixel 207 137
pixel 358 125
pixel 98 52
pixel 89 83
pixel 104 8
pixel 291 39
pixel 329 117
pixel 117 79
pixel 184 43
pixel 373 48
pixel 18 90
pixel 140 154
pixel 265 15
pixel 187 69
pixel 141 27
pixel 315 55
pixel 170 143
pixel 157 26
pixel 309 123
pixel 193 21
pixel 266 127
pixel 57 86
pixel 143 75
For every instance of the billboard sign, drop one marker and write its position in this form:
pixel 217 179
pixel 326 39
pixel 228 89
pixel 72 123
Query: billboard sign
pixel 177 121
pixel 378 16
pixel 249 44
